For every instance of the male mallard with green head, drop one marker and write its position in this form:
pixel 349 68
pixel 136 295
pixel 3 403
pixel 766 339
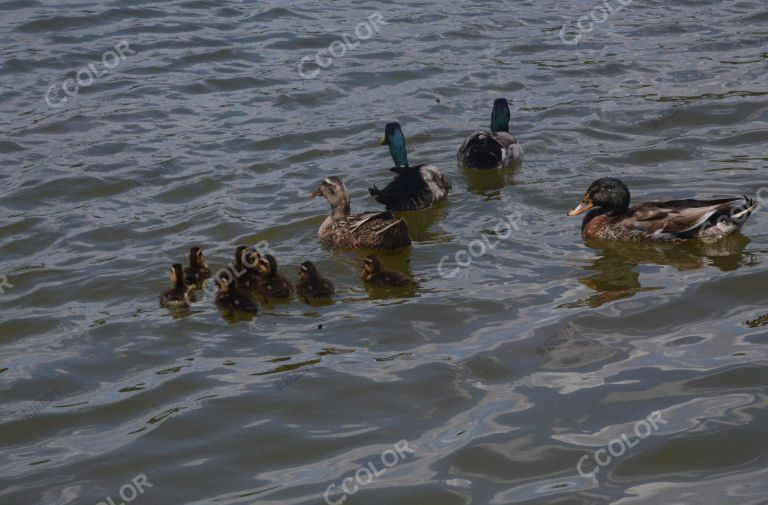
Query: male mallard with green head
pixel 492 149
pixel 373 230
pixel 176 297
pixel 271 284
pixel 197 270
pixel 231 296
pixel 611 218
pixel 374 275
pixel 312 285
pixel 413 188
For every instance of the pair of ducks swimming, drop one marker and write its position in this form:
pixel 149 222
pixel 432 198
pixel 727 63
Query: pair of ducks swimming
pixel 607 200
pixel 252 274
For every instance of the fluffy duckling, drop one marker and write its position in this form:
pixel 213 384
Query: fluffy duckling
pixel 245 267
pixel 312 285
pixel 611 217
pixel 271 284
pixel 176 297
pixel 198 270
pixel 372 230
pixel 492 149
pixel 231 297
pixel 414 188
pixel 375 276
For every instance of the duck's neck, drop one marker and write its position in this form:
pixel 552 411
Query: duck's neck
pixel 500 118
pixel 340 208
pixel 397 148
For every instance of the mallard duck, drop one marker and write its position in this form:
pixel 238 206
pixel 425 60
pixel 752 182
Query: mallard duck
pixel 198 270
pixel 373 230
pixel 495 148
pixel 312 285
pixel 271 284
pixel 245 267
pixel 375 276
pixel 413 188
pixel 176 297
pixel 611 217
pixel 231 296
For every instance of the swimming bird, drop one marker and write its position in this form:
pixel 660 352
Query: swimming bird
pixel 197 270
pixel 231 296
pixel 375 276
pixel 373 230
pixel 413 188
pixel 492 149
pixel 312 285
pixel 245 267
pixel 271 284
pixel 612 218
pixel 176 297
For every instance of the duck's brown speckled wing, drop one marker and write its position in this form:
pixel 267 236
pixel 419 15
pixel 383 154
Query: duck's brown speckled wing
pixel 376 230
pixel 677 217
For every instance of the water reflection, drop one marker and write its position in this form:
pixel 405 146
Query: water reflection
pixel 489 183
pixel 420 222
pixel 615 276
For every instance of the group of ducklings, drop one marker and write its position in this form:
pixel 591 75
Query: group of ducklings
pixel 609 216
pixel 253 276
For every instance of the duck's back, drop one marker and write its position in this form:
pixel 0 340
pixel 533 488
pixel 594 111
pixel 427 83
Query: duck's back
pixel 415 188
pixel 374 230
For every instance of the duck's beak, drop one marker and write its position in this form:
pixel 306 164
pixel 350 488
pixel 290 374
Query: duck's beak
pixel 383 141
pixel 583 206
pixel 315 194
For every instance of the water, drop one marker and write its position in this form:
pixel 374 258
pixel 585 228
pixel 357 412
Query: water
pixel 502 378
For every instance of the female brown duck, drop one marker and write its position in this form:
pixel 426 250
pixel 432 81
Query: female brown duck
pixel 611 218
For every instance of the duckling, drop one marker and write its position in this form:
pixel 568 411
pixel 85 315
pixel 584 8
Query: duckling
pixel 198 270
pixel 611 217
pixel 492 149
pixel 374 275
pixel 176 297
pixel 312 285
pixel 414 188
pixel 245 267
pixel 271 284
pixel 372 230
pixel 232 297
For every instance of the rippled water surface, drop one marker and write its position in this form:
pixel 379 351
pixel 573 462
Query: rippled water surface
pixel 505 377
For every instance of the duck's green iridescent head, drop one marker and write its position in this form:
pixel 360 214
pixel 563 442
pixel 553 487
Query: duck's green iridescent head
pixel 500 116
pixel 608 193
pixel 394 138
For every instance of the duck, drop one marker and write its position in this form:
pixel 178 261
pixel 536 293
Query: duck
pixel 198 270
pixel 312 285
pixel 177 297
pixel 371 230
pixel 245 267
pixel 271 284
pixel 413 188
pixel 492 149
pixel 374 275
pixel 231 296
pixel 611 218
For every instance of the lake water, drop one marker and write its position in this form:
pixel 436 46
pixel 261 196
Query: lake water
pixel 543 371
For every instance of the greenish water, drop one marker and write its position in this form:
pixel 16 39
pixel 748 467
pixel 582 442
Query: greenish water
pixel 506 377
